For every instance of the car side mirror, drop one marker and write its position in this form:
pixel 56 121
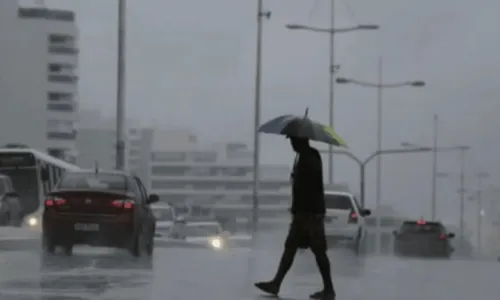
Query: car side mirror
pixel 153 198
pixel 366 212
pixel 451 235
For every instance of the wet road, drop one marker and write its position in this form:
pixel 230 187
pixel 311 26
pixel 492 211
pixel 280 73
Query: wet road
pixel 187 274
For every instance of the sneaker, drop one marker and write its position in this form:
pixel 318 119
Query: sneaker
pixel 323 295
pixel 268 287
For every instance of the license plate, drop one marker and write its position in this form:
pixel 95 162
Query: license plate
pixel 86 227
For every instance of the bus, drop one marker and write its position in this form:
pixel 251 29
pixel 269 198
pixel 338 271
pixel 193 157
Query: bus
pixel 33 175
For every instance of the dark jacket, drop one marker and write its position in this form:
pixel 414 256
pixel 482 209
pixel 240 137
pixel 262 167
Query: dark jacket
pixel 307 186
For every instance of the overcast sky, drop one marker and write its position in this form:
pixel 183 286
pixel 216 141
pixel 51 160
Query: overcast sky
pixel 191 64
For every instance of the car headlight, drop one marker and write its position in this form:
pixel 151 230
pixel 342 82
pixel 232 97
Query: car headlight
pixel 32 221
pixel 216 243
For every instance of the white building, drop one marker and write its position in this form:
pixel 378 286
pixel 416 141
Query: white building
pixel 38 78
pixel 96 143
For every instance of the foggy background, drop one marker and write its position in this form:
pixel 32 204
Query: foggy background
pixel 191 64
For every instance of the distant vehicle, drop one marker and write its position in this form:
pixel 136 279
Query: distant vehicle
pixel 208 233
pixel 99 208
pixel 423 238
pixel 165 216
pixel 10 207
pixel 33 174
pixel 344 220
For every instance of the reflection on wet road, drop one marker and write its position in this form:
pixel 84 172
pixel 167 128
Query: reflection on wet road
pixel 178 274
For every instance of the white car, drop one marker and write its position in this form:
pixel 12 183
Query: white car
pixel 165 217
pixel 344 220
pixel 208 233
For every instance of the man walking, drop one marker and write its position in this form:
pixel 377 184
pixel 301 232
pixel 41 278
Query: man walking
pixel 307 228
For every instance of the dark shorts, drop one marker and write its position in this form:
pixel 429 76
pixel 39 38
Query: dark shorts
pixel 307 231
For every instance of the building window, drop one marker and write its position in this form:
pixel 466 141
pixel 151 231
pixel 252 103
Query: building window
pixel 61 68
pixel 236 171
pixel 62 44
pixel 61 135
pixel 169 156
pixel 66 39
pixel 62 78
pixel 274 185
pixel 205 186
pixel 168 171
pixel 59 96
pixel 162 184
pixel 202 171
pixel 237 186
pixel 46 14
pixel 62 107
pixel 203 156
pixel 61 126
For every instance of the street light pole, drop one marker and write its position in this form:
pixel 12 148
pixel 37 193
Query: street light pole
pixel 120 88
pixel 332 67
pixel 256 140
pixel 462 196
pixel 480 176
pixel 434 169
pixel 380 86
pixel 378 198
pixel 331 84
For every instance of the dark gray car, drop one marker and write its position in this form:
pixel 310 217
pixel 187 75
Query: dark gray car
pixel 10 207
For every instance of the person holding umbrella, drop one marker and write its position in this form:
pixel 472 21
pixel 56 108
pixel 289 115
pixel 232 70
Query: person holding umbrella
pixel 308 202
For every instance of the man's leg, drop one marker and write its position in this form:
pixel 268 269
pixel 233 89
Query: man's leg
pixel 291 247
pixel 319 249
pixel 324 269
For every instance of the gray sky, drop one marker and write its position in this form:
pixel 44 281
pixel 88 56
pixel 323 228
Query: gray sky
pixel 191 64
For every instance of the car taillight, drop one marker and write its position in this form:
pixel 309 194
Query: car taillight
pixel 442 236
pixel 353 218
pixel 125 204
pixel 55 202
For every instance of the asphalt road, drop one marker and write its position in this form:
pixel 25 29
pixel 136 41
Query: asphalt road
pixel 187 274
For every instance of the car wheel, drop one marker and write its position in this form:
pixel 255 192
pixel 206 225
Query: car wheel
pixel 139 244
pixel 358 245
pixel 48 245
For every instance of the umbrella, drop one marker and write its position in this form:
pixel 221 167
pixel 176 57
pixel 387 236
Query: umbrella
pixel 302 127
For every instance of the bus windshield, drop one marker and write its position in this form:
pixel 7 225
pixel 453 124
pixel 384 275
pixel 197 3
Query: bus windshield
pixel 25 183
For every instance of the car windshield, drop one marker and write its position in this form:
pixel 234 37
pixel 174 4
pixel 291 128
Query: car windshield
pixel 89 180
pixel 201 230
pixel 164 214
pixel 338 202
pixel 421 227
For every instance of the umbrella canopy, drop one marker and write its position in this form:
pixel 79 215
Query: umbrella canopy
pixel 302 127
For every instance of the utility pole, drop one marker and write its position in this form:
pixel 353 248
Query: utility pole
pixel 120 88
pixel 380 116
pixel 256 145
pixel 434 167
pixel 462 195
pixel 332 70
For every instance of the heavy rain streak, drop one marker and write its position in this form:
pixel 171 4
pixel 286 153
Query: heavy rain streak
pixel 223 150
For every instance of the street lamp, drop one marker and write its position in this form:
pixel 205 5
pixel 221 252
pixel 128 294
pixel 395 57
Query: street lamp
pixel 261 14
pixel 332 67
pixel 380 85
pixel 120 87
